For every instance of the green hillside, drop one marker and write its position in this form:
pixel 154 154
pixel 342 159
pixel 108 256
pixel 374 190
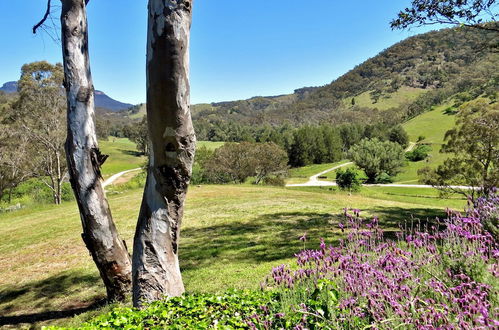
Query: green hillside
pixel 407 79
pixel 431 125
pixel 404 94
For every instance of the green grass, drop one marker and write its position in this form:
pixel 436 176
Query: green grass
pixel 432 125
pixel 209 144
pixel 123 155
pixel 301 174
pixel 403 95
pixel 231 237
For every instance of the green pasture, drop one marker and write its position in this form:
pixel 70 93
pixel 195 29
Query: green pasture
pixel 402 95
pixel 232 235
pixel 432 125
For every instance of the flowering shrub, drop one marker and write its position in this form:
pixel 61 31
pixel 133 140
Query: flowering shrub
pixel 428 278
pixel 485 209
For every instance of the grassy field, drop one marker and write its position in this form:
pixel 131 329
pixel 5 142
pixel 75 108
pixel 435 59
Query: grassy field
pixel 404 94
pixel 432 125
pixel 123 155
pixel 209 144
pixel 231 237
pixel 301 174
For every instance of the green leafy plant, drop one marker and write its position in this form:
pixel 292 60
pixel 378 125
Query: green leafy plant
pixel 348 179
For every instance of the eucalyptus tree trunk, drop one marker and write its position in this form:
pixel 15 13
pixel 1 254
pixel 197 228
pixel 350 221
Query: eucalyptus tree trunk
pixel 156 271
pixel 84 158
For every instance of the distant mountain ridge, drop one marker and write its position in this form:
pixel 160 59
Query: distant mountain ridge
pixel 9 87
pixel 101 99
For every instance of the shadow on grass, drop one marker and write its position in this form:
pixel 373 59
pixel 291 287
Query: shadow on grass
pixel 133 153
pixel 272 237
pixel 264 238
pixel 39 294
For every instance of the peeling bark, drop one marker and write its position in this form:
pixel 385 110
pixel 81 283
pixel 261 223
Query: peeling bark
pixel 84 158
pixel 156 271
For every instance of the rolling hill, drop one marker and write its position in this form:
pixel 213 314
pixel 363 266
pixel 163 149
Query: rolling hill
pixel 397 84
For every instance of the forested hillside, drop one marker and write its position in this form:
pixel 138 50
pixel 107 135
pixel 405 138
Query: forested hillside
pixel 397 84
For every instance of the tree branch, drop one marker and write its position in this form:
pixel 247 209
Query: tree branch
pixel 47 13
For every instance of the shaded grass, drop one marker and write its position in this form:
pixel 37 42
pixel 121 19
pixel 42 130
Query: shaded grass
pixel 231 238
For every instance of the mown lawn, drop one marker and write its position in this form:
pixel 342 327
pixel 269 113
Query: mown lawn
pixel 231 237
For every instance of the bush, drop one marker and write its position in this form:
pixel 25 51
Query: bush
pixel 384 178
pixel 230 310
pixel 34 190
pixel 421 152
pixel 274 181
pixel 429 278
pixel 348 179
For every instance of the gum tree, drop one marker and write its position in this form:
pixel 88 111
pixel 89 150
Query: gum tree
pixel 156 271
pixel 84 158
pixel 470 13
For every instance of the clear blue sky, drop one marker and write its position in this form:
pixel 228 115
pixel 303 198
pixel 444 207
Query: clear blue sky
pixel 239 48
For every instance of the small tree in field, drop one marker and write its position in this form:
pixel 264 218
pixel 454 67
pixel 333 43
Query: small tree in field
pixel 235 162
pixel 378 158
pixel 348 179
pixel 270 160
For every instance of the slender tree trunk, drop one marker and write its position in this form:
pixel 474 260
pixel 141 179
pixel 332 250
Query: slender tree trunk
pixel 59 178
pixel 156 271
pixel 84 158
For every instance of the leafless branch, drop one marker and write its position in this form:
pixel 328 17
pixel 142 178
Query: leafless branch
pixel 47 13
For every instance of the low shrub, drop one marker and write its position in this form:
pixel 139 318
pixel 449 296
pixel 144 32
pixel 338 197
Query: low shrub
pixel 427 279
pixel 420 152
pixel 274 181
pixel 229 310
pixel 35 191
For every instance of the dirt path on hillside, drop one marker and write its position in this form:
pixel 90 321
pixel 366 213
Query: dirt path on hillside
pixel 116 176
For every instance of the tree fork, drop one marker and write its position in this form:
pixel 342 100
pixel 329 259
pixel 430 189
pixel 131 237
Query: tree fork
pixel 156 271
pixel 84 159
